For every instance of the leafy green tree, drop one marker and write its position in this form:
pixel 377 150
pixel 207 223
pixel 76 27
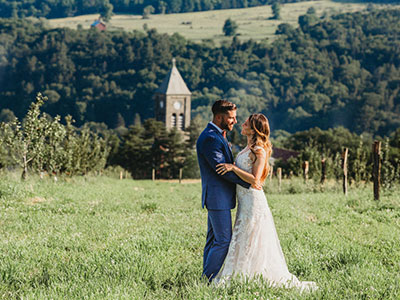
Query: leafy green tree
pixel 309 19
pixel 42 144
pixel 320 75
pixel 7 115
pixel 311 11
pixel 230 27
pixel 395 139
pixel 389 176
pixel 25 141
pixel 147 11
pixel 358 163
pixel 276 11
pixel 53 156
pixel 132 150
pixel 197 124
pixel 174 155
pixel 106 11
pixel 162 7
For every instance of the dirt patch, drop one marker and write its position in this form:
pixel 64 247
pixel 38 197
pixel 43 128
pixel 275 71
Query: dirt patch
pixel 35 200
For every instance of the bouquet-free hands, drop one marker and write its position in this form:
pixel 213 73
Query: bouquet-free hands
pixel 225 168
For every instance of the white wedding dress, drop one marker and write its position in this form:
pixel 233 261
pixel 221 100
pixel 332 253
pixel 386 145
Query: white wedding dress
pixel 255 250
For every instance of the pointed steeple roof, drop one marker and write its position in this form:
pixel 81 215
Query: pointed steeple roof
pixel 173 83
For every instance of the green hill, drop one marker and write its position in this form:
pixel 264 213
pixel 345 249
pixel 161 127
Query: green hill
pixel 254 23
pixel 340 71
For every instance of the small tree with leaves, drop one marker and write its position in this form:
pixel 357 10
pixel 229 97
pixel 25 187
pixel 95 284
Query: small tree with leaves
pixel 230 27
pixel 55 157
pixel 276 11
pixel 162 7
pixel 42 144
pixel 147 11
pixel 388 171
pixel 106 11
pixel 175 154
pixel 25 141
pixel 358 163
pixel 88 152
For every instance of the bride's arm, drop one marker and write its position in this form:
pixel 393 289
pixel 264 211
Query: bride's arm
pixel 254 177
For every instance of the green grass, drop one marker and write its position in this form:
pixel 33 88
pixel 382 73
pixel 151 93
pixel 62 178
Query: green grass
pixel 254 23
pixel 103 238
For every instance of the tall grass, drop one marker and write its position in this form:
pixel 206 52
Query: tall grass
pixel 103 238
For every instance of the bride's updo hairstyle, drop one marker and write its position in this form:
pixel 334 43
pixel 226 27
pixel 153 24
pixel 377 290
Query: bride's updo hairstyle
pixel 259 123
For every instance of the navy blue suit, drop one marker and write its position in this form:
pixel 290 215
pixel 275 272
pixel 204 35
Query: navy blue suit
pixel 218 196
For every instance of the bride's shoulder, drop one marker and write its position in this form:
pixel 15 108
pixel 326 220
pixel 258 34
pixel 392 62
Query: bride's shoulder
pixel 259 151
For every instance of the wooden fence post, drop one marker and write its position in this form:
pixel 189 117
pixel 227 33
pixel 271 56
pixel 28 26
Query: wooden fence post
pixel 279 174
pixel 153 174
pixel 344 167
pixel 323 170
pixel 305 170
pixel 271 173
pixel 376 150
pixel 180 175
pixel 120 175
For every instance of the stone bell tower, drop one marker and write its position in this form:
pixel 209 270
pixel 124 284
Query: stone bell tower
pixel 172 101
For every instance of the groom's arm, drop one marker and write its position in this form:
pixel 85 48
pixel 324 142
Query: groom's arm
pixel 212 152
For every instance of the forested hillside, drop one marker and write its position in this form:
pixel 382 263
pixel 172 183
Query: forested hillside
pixel 342 71
pixel 60 9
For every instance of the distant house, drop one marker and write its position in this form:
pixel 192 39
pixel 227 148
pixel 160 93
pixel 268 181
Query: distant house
pixel 99 25
pixel 282 154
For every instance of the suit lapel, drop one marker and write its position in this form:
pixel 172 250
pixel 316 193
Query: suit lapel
pixel 224 141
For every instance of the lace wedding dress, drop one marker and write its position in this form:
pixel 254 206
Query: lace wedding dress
pixel 255 250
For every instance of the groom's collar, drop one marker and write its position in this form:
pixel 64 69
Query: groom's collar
pixel 219 129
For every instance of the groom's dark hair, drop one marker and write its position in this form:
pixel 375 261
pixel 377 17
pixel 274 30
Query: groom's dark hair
pixel 222 107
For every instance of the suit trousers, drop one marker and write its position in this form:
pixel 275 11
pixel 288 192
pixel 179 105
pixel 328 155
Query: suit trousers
pixel 219 235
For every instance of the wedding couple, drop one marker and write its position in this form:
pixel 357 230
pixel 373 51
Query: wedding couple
pixel 253 249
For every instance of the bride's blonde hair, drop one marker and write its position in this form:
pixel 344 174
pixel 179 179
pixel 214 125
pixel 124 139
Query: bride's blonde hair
pixel 259 123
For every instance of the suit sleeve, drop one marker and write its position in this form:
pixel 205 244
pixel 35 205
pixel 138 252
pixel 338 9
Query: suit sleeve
pixel 213 154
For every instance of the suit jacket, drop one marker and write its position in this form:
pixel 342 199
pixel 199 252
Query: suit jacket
pixel 218 191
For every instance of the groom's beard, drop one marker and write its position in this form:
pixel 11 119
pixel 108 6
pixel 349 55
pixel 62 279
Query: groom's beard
pixel 225 126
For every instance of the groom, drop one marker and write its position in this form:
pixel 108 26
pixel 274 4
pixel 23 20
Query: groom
pixel 218 191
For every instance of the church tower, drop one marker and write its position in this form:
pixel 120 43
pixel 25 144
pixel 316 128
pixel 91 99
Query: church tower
pixel 172 101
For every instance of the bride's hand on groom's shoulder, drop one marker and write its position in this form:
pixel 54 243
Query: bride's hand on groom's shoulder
pixel 224 168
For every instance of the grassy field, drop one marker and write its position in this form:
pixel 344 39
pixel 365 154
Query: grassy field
pixel 103 238
pixel 254 23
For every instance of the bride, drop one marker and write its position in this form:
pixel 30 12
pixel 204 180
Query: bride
pixel 255 249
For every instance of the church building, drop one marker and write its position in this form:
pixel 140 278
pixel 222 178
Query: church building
pixel 172 101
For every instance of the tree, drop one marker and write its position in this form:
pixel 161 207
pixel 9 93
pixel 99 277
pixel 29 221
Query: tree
pixel 230 27
pixel 311 11
pixel 162 7
pixel 310 18
pixel 6 115
pixel 147 11
pixel 196 126
pixel 322 72
pixel 42 144
pixel 106 11
pixel 285 28
pixel 276 11
pixel 25 141
pixel 175 153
